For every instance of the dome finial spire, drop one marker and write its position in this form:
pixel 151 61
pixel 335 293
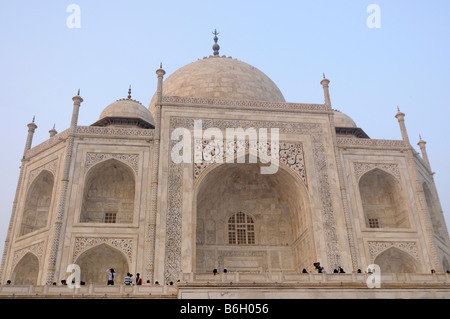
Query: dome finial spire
pixel 129 92
pixel 216 47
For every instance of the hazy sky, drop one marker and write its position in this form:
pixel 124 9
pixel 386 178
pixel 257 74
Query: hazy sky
pixel 43 63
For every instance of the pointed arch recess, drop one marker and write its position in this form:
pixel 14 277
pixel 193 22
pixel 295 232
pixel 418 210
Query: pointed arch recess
pixel 26 271
pixel 384 204
pixel 296 209
pixel 38 202
pixel 396 260
pixel 109 193
pixel 95 260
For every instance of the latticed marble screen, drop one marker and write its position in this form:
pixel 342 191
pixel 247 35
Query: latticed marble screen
pixel 111 217
pixel 373 223
pixel 241 229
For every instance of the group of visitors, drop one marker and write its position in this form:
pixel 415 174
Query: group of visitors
pixel 321 270
pixel 131 280
pixel 128 280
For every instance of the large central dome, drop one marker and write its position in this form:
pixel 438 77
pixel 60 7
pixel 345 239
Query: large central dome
pixel 222 78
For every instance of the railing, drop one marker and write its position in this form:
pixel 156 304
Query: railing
pixel 234 279
pixel 314 278
pixel 88 291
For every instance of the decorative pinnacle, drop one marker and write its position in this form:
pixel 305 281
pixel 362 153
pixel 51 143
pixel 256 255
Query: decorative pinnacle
pixel 129 93
pixel 32 126
pixel 216 47
pixel 324 81
pixel 160 71
pixel 53 131
pixel 421 140
pixel 399 114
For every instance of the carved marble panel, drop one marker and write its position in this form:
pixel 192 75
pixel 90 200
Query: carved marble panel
pixel 131 159
pixel 362 168
pixel 376 247
pixel 50 166
pixel 36 249
pixel 85 243
pixel 290 154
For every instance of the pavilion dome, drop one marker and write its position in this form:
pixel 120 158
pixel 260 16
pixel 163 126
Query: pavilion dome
pixel 343 120
pixel 126 111
pixel 223 78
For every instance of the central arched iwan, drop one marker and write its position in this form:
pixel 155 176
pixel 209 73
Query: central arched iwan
pixel 248 221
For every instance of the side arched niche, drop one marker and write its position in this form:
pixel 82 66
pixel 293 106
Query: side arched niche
pixel 253 222
pixel 394 260
pixel 26 271
pixel 95 261
pixel 37 203
pixel 384 204
pixel 437 221
pixel 109 193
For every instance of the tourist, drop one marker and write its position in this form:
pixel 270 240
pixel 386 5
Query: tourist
pixel 318 267
pixel 127 279
pixel 111 275
pixel 148 283
pixel 138 279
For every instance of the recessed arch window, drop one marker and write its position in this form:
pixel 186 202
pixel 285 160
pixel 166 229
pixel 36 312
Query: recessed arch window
pixel 382 201
pixel 109 194
pixel 37 203
pixel 241 229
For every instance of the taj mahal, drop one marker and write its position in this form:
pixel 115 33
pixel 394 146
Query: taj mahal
pixel 111 195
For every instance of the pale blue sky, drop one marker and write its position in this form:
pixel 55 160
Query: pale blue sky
pixel 120 43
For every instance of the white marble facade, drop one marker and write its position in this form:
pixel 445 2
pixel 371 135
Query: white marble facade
pixel 110 194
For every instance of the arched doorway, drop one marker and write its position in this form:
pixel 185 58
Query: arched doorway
pixel 394 260
pixel 248 221
pixel 109 193
pixel 26 271
pixel 382 200
pixel 95 261
pixel 37 203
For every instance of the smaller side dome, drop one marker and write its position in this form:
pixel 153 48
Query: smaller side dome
pixel 343 120
pixel 126 112
pixel 346 127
